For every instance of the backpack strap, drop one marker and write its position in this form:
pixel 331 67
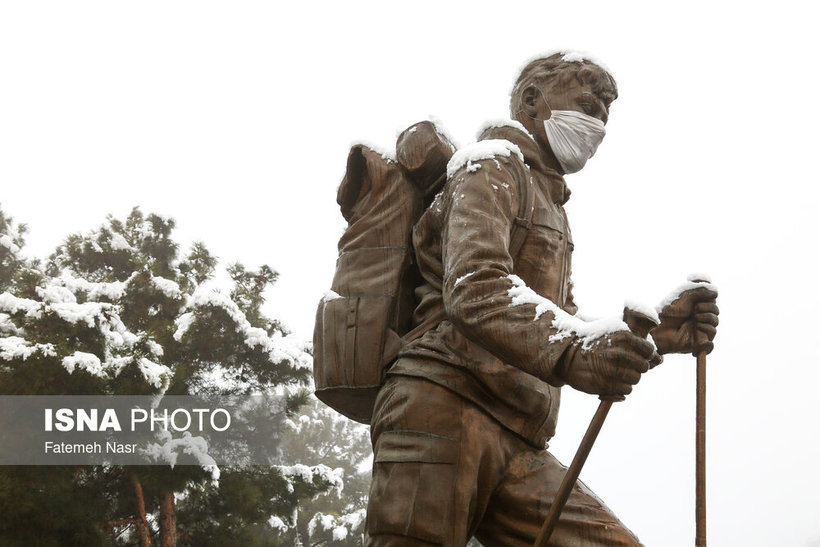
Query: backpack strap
pixel 521 226
pixel 523 222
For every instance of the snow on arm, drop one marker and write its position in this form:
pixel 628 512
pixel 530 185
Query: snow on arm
pixel 462 278
pixel 565 324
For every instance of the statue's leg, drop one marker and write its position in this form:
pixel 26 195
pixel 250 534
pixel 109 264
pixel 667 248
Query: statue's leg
pixel 436 462
pixel 520 505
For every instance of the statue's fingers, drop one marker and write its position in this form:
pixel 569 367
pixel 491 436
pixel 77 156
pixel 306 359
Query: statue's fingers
pixel 707 330
pixel 707 319
pixel 707 307
pixel 704 345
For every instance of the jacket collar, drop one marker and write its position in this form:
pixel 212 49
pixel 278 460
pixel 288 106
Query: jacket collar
pixel 556 185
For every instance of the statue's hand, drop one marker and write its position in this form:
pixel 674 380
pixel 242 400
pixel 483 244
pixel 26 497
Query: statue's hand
pixel 612 365
pixel 688 323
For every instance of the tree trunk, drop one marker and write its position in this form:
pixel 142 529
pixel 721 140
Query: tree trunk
pixel 167 520
pixel 142 523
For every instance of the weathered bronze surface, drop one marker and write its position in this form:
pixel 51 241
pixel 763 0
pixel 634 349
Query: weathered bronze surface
pixel 460 426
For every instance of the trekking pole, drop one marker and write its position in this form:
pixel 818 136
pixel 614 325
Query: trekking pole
pixel 700 453
pixel 700 441
pixel 641 325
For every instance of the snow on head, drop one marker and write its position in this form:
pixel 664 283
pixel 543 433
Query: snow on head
pixel 570 56
pixel 481 150
pixel 567 325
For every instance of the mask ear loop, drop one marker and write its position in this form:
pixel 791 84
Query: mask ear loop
pixel 540 92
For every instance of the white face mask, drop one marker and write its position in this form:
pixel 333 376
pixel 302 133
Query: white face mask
pixel 573 137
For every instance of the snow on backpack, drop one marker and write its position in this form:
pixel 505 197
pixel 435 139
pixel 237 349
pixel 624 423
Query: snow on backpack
pixel 361 321
pixel 365 319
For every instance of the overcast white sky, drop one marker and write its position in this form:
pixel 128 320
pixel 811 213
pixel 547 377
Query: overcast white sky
pixel 235 118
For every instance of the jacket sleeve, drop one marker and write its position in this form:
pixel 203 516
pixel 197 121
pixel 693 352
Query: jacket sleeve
pixel 482 202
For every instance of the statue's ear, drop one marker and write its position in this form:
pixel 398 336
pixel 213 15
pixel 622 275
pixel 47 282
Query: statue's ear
pixel 528 101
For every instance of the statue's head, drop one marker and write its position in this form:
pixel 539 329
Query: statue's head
pixel 561 82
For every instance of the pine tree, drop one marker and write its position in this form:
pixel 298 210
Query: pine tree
pixel 318 434
pixel 116 312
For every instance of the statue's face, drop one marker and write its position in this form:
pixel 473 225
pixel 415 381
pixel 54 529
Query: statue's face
pixel 571 95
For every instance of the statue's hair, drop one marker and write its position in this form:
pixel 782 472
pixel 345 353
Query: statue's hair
pixel 559 68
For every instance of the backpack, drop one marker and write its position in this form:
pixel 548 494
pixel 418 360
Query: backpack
pixel 366 317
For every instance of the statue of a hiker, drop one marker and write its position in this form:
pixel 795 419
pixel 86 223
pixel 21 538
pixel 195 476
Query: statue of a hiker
pixel 461 422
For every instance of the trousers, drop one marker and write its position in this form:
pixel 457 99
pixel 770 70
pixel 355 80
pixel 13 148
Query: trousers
pixel 445 471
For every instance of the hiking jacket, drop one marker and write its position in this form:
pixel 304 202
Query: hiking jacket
pixel 496 336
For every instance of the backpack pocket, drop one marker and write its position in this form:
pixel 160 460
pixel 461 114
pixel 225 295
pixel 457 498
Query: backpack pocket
pixel 348 365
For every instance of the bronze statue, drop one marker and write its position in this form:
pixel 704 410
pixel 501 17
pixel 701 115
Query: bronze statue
pixel 460 426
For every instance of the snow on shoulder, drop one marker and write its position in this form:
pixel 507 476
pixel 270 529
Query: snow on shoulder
pixel 501 122
pixel 481 150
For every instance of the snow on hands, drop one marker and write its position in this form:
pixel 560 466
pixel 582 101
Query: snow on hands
pixel 693 281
